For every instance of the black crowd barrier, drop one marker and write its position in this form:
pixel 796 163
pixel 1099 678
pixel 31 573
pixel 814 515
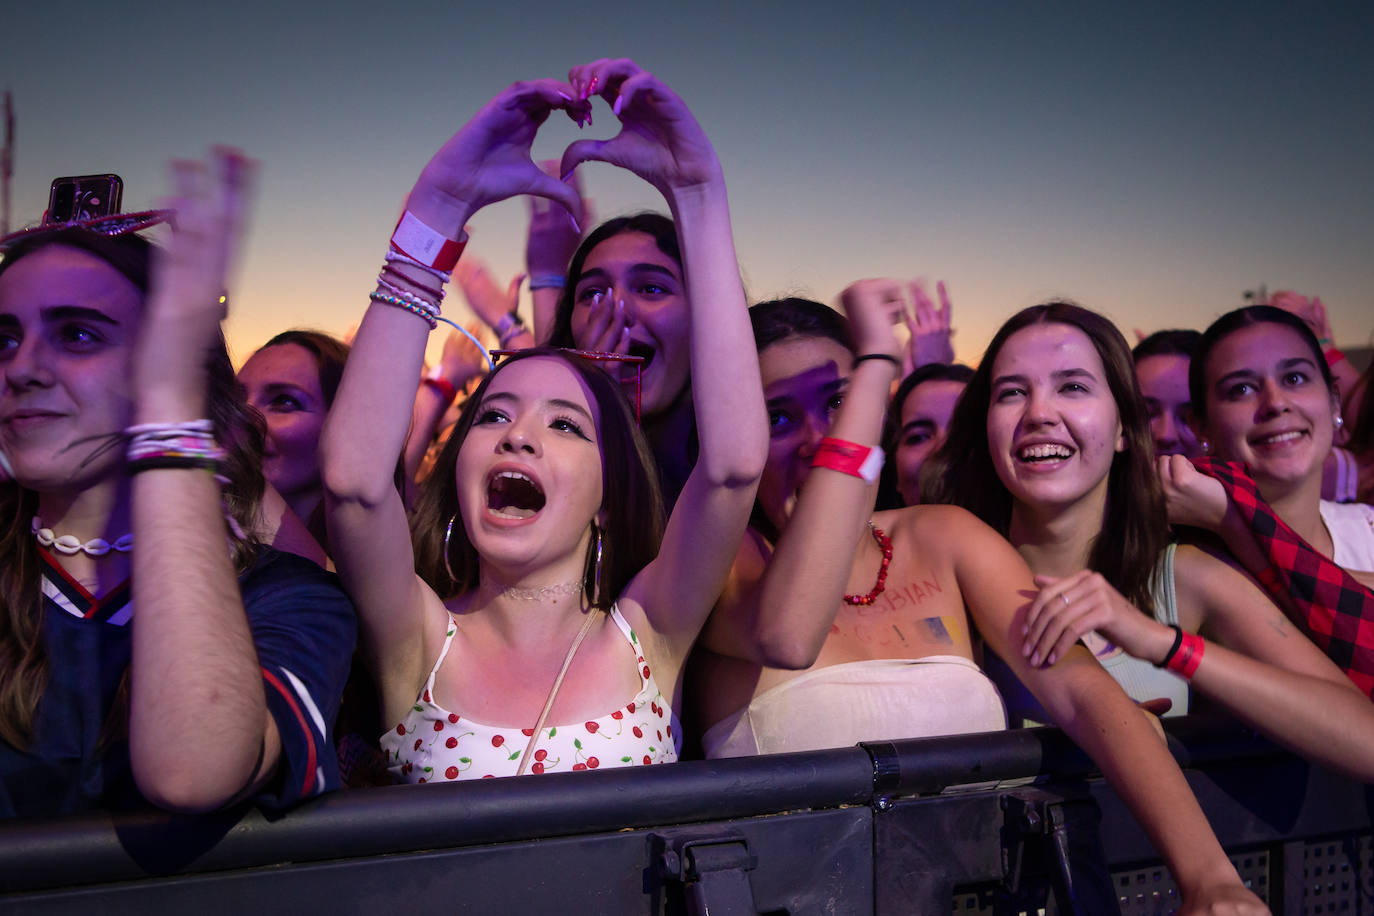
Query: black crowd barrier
pixel 1014 822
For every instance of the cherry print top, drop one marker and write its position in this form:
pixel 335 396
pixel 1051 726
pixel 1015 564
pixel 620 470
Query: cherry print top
pixel 432 744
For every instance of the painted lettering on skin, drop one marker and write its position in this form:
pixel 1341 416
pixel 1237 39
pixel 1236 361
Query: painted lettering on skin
pixel 911 594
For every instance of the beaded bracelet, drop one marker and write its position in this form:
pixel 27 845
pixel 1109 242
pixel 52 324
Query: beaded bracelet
pixel 415 308
pixel 433 297
pixel 174 462
pixel 421 300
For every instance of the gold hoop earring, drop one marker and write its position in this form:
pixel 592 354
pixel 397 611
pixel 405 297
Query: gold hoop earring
pixel 448 533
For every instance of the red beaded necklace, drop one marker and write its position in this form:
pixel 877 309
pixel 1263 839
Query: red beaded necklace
pixel 885 545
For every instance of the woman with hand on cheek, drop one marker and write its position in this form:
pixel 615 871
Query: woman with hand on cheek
pixel 544 627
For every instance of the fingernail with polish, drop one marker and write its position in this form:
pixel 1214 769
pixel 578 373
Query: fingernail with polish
pixel 619 100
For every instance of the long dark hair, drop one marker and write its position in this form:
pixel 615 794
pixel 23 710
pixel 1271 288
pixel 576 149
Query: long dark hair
pixel 1134 526
pixel 660 227
pixel 631 500
pixel 238 429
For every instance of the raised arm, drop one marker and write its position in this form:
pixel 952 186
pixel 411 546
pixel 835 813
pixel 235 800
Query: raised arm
pixel 661 142
pixel 781 619
pixel 486 161
pixel 1092 709
pixel 549 246
pixel 200 735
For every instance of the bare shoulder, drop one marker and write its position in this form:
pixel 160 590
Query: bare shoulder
pixel 933 527
pixel 1212 588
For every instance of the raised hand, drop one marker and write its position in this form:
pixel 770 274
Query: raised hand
pixel 553 235
pixel 1191 497
pixel 608 330
pixel 659 139
pixel 483 293
pixel 191 274
pixel 461 360
pixel 489 158
pixel 930 328
pixel 874 307
pixel 1311 311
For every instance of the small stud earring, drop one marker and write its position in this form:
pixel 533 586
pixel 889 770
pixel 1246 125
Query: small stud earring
pixel 1340 421
pixel 1206 447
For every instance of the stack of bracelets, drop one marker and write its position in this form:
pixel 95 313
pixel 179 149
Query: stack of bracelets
pixel 1185 654
pixel 420 246
pixel 175 445
pixel 179 446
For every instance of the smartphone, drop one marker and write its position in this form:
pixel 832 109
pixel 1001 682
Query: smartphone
pixel 78 197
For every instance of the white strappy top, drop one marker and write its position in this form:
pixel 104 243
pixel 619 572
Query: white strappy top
pixel 432 744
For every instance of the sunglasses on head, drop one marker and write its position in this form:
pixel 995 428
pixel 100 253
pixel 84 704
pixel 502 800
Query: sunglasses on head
pixel 599 357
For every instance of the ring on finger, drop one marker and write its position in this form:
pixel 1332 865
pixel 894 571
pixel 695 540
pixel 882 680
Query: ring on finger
pixel 1065 599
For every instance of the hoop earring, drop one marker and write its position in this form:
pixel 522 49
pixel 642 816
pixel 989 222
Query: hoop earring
pixel 448 532
pixel 596 573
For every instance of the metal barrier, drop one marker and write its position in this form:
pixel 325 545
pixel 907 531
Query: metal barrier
pixel 1012 822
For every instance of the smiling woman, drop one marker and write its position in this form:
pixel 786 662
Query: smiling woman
pixel 291 380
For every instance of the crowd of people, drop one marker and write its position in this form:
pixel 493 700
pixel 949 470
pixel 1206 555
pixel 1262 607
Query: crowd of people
pixel 651 522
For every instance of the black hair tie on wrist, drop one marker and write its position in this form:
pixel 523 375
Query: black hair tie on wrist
pixel 1173 650
pixel 887 357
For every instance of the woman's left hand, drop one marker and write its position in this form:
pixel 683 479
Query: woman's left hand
pixel 1067 609
pixel 187 297
pixel 190 274
pixel 659 139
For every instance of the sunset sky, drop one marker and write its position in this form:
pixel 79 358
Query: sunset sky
pixel 1151 161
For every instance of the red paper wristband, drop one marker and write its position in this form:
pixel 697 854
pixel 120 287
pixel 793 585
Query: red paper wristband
pixel 1332 355
pixel 1185 660
pixel 444 387
pixel 850 458
pixel 415 239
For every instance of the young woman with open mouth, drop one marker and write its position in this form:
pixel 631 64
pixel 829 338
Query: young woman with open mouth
pixel 843 625
pixel 535 624
pixel 1052 445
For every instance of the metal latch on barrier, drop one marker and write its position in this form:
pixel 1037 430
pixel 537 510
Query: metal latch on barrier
pixel 713 869
pixel 1048 835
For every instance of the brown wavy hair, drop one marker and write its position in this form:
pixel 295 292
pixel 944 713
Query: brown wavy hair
pixel 1134 526
pixel 630 495
pixel 23 654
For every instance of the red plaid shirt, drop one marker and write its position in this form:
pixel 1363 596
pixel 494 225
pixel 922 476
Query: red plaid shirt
pixel 1332 608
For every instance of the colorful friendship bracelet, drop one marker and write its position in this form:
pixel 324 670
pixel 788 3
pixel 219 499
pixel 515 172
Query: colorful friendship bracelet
pixel 415 308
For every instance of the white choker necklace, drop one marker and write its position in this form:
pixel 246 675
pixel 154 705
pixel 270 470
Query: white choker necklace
pixel 69 545
pixel 540 593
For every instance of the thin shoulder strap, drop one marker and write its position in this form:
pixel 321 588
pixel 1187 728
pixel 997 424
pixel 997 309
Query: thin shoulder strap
pixel 624 626
pixel 443 653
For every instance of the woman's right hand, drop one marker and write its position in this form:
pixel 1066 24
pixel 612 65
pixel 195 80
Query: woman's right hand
pixel 874 307
pixel 1191 497
pixel 489 158
pixel 1225 898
